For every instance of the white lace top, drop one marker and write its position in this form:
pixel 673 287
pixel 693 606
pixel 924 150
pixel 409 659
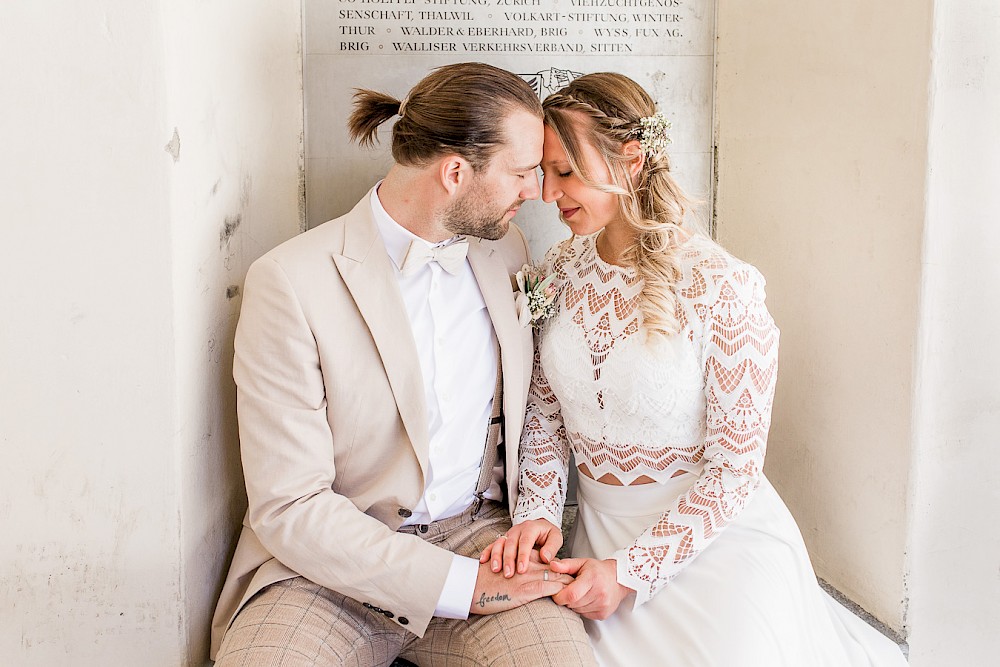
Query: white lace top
pixel 696 402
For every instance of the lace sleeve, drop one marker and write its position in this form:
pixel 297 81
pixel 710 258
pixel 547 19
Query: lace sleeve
pixel 740 354
pixel 544 454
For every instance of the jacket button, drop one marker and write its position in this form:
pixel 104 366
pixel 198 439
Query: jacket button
pixel 366 605
pixel 388 614
pixel 405 513
pixel 404 620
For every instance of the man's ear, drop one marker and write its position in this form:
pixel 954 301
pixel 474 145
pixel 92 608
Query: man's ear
pixel 453 171
pixel 635 157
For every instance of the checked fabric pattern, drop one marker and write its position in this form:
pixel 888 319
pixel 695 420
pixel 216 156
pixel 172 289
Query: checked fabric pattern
pixel 698 402
pixel 298 623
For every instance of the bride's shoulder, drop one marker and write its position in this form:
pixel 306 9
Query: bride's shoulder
pixel 565 253
pixel 707 269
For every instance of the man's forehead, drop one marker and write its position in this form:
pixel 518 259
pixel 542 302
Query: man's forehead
pixel 525 134
pixel 525 165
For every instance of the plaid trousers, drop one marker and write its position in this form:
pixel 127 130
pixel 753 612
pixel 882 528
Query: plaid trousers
pixel 294 623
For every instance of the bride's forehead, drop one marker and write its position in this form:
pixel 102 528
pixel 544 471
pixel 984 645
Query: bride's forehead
pixel 582 143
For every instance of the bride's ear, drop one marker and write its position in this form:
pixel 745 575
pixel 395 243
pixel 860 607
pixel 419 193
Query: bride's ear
pixel 635 158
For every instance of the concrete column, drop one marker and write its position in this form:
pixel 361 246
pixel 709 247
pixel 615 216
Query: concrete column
pixel 954 543
pixel 151 151
pixel 858 163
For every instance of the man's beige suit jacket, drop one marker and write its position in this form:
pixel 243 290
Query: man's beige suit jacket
pixel 333 426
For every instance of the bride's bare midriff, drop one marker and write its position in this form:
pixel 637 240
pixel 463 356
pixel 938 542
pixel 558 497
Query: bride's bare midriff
pixel 608 478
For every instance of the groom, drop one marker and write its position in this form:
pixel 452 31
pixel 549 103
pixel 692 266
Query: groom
pixel 381 376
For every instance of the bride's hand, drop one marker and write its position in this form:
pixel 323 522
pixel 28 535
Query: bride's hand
pixel 513 550
pixel 596 593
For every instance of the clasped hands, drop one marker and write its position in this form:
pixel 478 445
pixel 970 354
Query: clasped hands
pixel 586 585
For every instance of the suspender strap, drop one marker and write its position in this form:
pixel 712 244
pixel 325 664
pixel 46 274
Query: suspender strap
pixel 493 446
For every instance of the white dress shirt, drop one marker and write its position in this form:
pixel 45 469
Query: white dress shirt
pixel 456 345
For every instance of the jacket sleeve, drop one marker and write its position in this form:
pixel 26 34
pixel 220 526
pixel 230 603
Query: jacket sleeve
pixel 287 448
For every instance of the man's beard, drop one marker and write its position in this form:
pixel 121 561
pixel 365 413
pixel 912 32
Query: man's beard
pixel 475 215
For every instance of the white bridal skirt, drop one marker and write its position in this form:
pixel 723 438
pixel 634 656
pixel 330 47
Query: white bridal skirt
pixel 749 599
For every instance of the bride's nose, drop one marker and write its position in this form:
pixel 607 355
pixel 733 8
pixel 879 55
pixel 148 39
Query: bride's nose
pixel 550 191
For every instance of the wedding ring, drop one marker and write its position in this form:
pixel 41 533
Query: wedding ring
pixel 499 535
pixel 545 575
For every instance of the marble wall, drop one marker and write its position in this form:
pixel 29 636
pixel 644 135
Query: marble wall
pixel 388 45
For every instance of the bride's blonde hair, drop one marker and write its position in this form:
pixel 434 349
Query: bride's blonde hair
pixel 605 109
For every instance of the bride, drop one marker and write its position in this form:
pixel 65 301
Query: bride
pixel 657 370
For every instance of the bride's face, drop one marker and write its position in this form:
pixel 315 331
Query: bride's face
pixel 584 209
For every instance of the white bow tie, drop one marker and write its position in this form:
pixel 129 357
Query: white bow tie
pixel 451 257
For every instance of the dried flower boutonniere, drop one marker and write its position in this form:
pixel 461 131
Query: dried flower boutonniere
pixel 536 295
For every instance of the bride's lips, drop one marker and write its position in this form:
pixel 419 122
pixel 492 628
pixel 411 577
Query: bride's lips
pixel 568 213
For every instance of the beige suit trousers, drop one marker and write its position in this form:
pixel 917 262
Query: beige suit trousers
pixel 296 622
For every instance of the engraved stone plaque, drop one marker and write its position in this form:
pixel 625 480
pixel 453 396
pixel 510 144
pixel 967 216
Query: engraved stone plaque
pixel 388 45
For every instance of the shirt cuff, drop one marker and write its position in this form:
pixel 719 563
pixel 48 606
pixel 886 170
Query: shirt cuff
pixel 456 596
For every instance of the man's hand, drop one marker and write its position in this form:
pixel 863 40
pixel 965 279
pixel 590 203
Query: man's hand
pixel 495 593
pixel 514 549
pixel 595 593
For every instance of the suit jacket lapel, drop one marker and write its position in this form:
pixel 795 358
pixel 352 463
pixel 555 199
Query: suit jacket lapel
pixel 367 271
pixel 495 285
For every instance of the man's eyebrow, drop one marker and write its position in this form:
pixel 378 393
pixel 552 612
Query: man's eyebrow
pixel 529 168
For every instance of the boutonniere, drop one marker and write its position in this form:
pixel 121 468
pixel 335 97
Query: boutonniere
pixel 535 296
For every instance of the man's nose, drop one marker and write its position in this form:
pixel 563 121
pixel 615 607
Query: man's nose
pixel 530 188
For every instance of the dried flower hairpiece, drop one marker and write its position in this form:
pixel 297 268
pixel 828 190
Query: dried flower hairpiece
pixel 653 137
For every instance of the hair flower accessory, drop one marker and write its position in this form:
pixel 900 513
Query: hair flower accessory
pixel 653 137
pixel 536 295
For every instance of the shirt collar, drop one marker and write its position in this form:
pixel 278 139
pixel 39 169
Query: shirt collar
pixel 396 238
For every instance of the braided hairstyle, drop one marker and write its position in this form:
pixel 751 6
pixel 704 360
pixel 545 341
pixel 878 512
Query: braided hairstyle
pixel 605 109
